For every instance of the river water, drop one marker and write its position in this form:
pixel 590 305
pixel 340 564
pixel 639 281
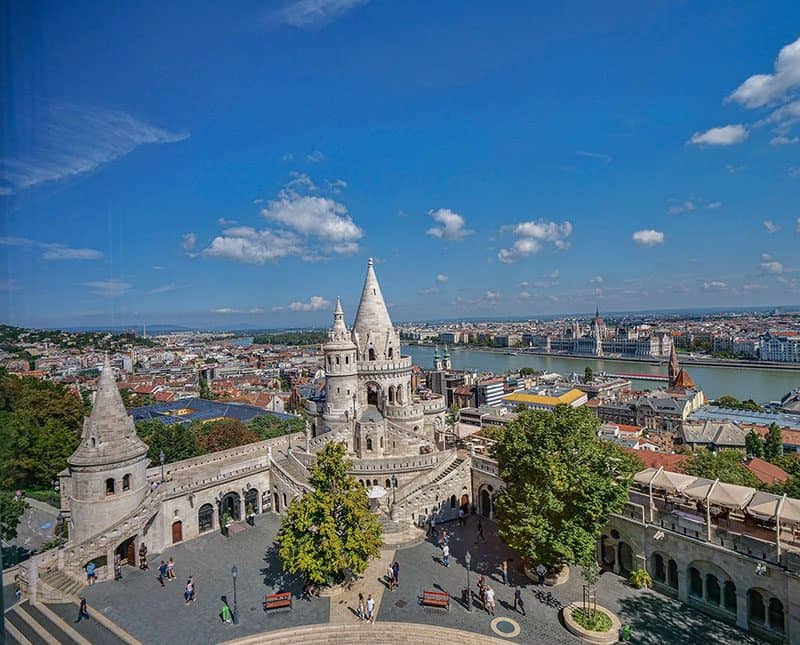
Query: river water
pixel 743 383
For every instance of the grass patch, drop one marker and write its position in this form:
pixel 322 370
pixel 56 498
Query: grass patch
pixel 591 619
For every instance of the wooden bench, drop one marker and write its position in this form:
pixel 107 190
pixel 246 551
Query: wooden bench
pixel 276 600
pixel 436 599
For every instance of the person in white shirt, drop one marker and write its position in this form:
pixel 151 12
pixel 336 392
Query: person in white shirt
pixel 370 609
pixel 490 600
pixel 446 555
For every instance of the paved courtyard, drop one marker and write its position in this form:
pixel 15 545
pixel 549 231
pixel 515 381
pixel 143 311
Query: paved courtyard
pixel 156 615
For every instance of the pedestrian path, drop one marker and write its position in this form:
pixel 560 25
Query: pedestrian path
pixel 343 606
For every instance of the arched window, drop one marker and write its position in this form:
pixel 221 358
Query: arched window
pixel 755 606
pixel 371 354
pixel 369 443
pixel 329 361
pixel 126 482
pixel 361 481
pixel 452 501
pixel 391 353
pixel 695 583
pixel 713 592
pixel 205 518
pixel 399 395
pixel 776 616
pixel 672 574
pixel 337 360
pixel 381 443
pixel 391 394
pixel 94 443
pixel 659 571
pixel 110 486
pixel 729 596
pixel 388 484
pixel 374 482
pixel 347 359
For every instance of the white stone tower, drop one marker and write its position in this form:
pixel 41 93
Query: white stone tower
pixel 341 371
pixel 108 470
pixel 373 331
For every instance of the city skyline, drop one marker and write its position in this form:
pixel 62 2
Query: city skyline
pixel 233 170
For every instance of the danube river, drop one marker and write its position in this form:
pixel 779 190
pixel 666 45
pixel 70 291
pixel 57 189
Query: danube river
pixel 744 383
pixel 761 385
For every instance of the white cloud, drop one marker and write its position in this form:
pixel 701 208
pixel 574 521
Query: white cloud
pixel 189 241
pixel 311 14
pixel 452 225
pixel 648 237
pixel 761 89
pixel 726 135
pixel 523 284
pixel 312 227
pixel 771 226
pixel 771 265
pixel 428 292
pixel 598 279
pixel 782 140
pixel 255 310
pixel 524 295
pixel 533 235
pixel 714 285
pixel 734 169
pixel 53 251
pixel 685 207
pixel 714 205
pixel 492 296
pixel 315 157
pixel 441 278
pixel 595 155
pixel 226 310
pixel 315 303
pixel 164 288
pixel 226 222
pixel 72 140
pixel 111 288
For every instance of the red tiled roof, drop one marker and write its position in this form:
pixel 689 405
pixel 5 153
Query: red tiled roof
pixel 650 459
pixel 766 472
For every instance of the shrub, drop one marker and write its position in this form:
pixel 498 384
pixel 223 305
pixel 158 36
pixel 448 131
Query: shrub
pixel 640 579
pixel 592 619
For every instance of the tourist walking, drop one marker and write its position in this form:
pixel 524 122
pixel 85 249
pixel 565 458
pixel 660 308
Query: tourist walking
pixel 362 607
pixel 162 572
pixel 171 569
pixel 17 588
pixel 188 593
pixel 482 591
pixel 431 526
pixel 518 604
pixel 371 609
pixel 504 569
pixel 541 571
pixel 490 600
pixel 390 577
pixel 225 614
pixel 396 571
pixel 117 566
pixel 143 557
pixel 82 611
pixel 461 517
pixel 91 573
pixel 446 555
pixel 480 531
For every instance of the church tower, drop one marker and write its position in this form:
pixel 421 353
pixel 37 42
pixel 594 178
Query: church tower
pixel 341 375
pixel 108 470
pixel 437 360
pixel 446 363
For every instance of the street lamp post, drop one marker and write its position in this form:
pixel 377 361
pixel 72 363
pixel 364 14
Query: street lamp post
pixel 161 458
pixel 394 488
pixel 234 575
pixel 468 561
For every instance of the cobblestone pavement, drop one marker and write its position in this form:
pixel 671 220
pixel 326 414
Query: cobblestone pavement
pixel 154 615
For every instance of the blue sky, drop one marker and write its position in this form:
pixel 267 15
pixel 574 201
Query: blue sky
pixel 193 164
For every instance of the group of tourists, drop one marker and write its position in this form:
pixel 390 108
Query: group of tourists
pixel 166 571
pixel 366 608
pixel 393 575
pixel 487 595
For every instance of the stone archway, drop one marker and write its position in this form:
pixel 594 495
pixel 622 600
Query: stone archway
pixel 625 559
pixel 486 503
pixel 231 504
pixel 374 394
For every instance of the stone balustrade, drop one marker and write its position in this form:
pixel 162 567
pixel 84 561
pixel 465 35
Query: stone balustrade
pixel 485 465
pixel 403 363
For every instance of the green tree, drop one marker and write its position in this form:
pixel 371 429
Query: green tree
pixel 11 510
pixel 225 434
pixel 588 374
pixel 773 444
pixel 727 401
pixel 562 483
pixel 269 426
pixel 527 371
pixel 177 441
pixel 754 444
pixel 329 531
pixel 725 465
pixel 451 417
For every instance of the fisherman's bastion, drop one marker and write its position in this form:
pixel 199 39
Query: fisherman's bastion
pixel 395 432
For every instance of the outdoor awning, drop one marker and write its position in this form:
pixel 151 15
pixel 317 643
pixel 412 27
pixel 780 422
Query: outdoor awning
pixel 672 482
pixel 376 492
pixel 790 513
pixel 643 477
pixel 698 489
pixel 764 505
pixel 731 496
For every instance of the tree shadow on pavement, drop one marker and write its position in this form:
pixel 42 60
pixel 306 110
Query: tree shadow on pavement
pixel 276 577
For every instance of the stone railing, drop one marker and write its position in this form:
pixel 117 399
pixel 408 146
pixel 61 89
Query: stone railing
pixel 403 363
pixel 175 488
pixel 409 411
pixel 420 482
pixel 392 464
pixel 408 435
pixel 297 487
pixel 485 465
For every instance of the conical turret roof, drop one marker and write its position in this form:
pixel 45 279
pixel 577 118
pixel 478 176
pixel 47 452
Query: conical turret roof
pixel 109 435
pixel 372 314
pixel 338 336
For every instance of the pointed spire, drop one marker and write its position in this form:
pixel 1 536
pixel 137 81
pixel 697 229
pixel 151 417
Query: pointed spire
pixel 338 318
pixel 436 351
pixel 446 351
pixel 372 316
pixel 109 434
pixel 674 367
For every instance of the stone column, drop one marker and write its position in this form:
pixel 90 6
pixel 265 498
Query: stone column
pixel 615 568
pixel 683 586
pixel 741 610
pixel 110 564
pixel 766 612
pixel 704 582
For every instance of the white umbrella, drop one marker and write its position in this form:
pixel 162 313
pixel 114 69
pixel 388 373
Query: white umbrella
pixel 376 492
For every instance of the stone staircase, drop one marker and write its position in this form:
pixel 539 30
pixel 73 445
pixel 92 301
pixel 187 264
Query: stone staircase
pixel 42 624
pixel 61 582
pixel 440 473
pixel 399 534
